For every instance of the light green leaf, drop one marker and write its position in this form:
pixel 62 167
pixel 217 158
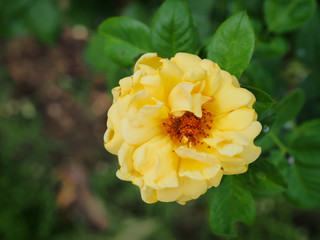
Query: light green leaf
pixel 173 29
pixel 263 178
pixel 263 100
pixel 289 107
pixel 233 43
pixel 44 19
pixel 286 15
pixel 231 202
pixel 126 39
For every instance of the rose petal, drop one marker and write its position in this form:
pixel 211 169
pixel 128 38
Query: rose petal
pixel 185 61
pixel 235 120
pixel 150 59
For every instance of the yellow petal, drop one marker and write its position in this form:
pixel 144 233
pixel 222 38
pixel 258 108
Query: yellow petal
pixel 191 189
pixel 229 99
pixel 194 74
pixel 157 163
pixel 252 131
pixel 150 59
pixel 148 195
pixel 185 61
pixel 153 84
pixel 184 98
pixel 126 171
pixel 213 78
pixel 198 170
pixel 215 181
pixel 170 75
pixel 169 194
pixel 189 153
pixel 236 120
pixel 112 137
pixel 126 85
pixel 137 135
pixel 250 153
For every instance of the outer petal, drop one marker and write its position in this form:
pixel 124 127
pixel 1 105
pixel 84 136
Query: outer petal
pixel 126 171
pixel 185 61
pixel 236 120
pixel 112 137
pixel 191 189
pixel 149 59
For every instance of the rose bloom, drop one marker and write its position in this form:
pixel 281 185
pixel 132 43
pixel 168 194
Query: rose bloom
pixel 179 125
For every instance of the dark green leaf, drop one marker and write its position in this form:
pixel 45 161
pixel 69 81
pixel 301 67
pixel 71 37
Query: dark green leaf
pixel 173 29
pixel 289 107
pixel 263 178
pixel 126 39
pixel 44 19
pixel 258 76
pixel 231 202
pixel 233 43
pixel 308 39
pixel 286 15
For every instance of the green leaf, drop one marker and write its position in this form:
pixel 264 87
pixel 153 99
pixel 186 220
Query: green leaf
pixel 173 29
pixel 231 202
pixel 233 43
pixel 126 39
pixel 304 169
pixel 304 185
pixel 307 40
pixel 263 100
pixel 275 47
pixel 289 107
pixel 286 15
pixel 305 143
pixel 44 19
pixel 263 178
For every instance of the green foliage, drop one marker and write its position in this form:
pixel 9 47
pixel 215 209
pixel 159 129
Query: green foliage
pixel 282 37
pixel 231 202
pixel 289 107
pixel 232 45
pixel 276 46
pixel 173 29
pixel 303 172
pixel 44 20
pixel 284 16
pixel 264 178
pixel 126 39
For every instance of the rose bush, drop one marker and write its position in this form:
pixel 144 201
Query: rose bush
pixel 179 125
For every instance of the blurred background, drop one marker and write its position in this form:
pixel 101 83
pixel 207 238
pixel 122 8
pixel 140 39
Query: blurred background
pixel 56 179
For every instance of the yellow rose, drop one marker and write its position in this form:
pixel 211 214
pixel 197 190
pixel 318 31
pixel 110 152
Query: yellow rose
pixel 179 125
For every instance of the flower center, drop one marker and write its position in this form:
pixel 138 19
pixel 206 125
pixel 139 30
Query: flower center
pixel 188 128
